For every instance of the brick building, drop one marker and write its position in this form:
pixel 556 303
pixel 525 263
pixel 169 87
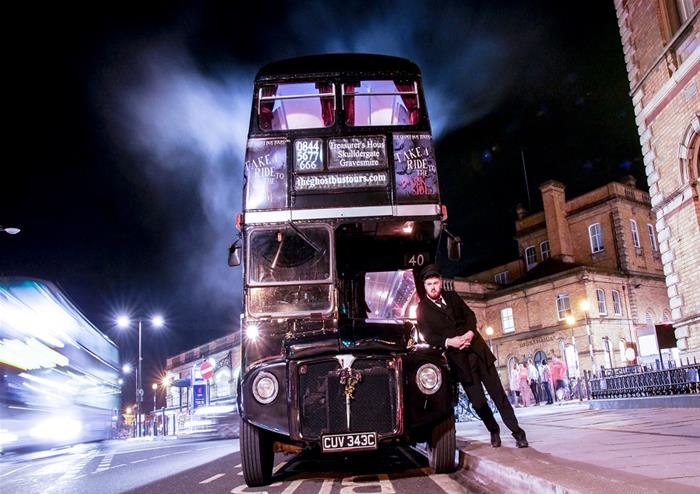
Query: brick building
pixel 661 44
pixel 601 248
pixel 182 373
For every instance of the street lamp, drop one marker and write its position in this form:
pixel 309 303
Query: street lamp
pixel 585 306
pixel 489 332
pixel 10 230
pixel 124 322
pixel 571 320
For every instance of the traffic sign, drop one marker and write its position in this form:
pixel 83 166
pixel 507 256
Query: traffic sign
pixel 206 369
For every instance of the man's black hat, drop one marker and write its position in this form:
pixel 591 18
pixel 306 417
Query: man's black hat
pixel 430 271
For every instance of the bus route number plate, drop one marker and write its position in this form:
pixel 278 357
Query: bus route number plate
pixel 349 442
pixel 416 259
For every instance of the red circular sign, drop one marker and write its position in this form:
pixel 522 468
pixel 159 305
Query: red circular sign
pixel 206 370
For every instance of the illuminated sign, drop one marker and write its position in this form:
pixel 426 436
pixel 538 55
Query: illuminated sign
pixel 415 169
pixel 266 174
pixel 357 153
pixel 341 181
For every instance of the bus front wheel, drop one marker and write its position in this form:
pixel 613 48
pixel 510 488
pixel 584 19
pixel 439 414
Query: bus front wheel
pixel 256 454
pixel 442 446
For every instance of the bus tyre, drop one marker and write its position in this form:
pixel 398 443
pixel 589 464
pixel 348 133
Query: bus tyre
pixel 256 455
pixel 442 445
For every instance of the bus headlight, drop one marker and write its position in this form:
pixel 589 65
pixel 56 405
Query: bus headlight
pixel 429 378
pixel 265 387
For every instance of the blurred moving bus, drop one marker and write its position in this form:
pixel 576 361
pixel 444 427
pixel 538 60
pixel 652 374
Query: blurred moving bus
pixel 59 373
pixel 341 206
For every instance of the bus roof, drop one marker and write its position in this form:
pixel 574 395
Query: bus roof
pixel 337 63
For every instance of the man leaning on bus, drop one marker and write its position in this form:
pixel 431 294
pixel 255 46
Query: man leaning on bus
pixel 445 321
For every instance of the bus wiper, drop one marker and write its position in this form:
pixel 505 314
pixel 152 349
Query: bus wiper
pixel 305 238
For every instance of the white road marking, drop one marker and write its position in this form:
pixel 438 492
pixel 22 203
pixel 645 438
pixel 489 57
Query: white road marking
pixel 326 487
pixel 105 463
pixel 279 467
pixel 18 469
pixel 384 484
pixel 444 482
pixel 293 486
pixel 238 466
pixel 118 466
pixel 212 478
pixel 160 456
pixel 139 461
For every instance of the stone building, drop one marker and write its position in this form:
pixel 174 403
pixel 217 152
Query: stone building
pixel 601 248
pixel 661 44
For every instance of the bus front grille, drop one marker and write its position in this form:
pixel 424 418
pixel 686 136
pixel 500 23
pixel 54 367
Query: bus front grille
pixel 323 403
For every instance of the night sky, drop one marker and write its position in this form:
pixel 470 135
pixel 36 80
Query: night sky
pixel 127 125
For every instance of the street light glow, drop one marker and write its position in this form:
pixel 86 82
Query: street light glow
pixel 570 320
pixel 123 321
pixel 252 332
pixel 157 321
pixel 126 368
pixel 154 386
pixel 120 381
pixel 489 330
pixel 584 305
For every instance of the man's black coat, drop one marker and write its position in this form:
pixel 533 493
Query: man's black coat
pixel 436 324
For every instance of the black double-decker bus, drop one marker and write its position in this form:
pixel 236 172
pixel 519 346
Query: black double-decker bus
pixel 341 207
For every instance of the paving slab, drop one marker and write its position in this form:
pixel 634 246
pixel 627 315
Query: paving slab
pixel 576 449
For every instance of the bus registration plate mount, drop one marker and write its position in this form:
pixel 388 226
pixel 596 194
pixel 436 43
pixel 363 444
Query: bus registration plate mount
pixel 355 441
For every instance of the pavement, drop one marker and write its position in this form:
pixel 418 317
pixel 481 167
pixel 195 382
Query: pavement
pixel 575 449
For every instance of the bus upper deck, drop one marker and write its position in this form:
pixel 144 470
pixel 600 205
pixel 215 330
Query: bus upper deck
pixel 339 136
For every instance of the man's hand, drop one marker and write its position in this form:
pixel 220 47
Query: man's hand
pixel 466 339
pixel 461 342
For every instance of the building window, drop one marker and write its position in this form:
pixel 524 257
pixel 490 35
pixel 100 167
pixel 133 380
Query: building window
pixel 501 278
pixel 596 236
pixel 649 318
pixel 563 306
pixel 530 257
pixel 544 249
pixel 652 237
pixel 507 320
pixel 673 14
pixel 617 305
pixel 600 296
pixel 635 234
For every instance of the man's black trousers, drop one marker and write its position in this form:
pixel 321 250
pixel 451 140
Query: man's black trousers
pixel 475 392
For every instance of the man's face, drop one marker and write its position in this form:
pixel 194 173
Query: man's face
pixel 433 287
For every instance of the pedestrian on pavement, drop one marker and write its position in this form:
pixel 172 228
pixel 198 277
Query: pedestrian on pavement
pixel 513 380
pixel 534 375
pixel 524 384
pixel 547 381
pixel 558 374
pixel 445 321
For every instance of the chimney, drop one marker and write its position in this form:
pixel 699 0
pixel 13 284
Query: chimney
pixel 558 233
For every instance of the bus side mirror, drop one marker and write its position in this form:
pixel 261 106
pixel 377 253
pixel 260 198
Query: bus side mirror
pixel 234 254
pixel 454 248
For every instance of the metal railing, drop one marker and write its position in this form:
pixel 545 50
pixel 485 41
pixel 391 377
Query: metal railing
pixel 640 381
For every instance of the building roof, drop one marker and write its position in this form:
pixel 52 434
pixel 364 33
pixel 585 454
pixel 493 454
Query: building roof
pixel 546 268
pixel 337 63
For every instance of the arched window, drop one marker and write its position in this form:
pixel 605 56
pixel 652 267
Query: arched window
pixel 688 152
pixel 649 317
pixel 595 235
pixel 666 316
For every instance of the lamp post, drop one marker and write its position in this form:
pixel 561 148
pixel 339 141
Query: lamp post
pixel 154 387
pixel 585 306
pixel 571 321
pixel 124 322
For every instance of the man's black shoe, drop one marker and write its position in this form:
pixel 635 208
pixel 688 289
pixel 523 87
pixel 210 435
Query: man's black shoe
pixel 495 439
pixel 521 443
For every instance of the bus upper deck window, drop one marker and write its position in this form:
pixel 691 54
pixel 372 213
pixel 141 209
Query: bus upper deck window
pixel 305 105
pixel 370 103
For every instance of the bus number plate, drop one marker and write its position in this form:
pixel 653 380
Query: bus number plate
pixel 349 442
